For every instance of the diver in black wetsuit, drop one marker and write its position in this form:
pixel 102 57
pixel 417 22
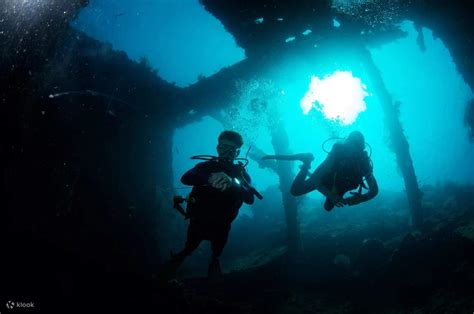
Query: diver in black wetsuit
pixel 215 200
pixel 343 170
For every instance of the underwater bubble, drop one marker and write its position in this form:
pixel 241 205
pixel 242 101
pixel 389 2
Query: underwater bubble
pixel 348 4
pixel 255 107
pixel 371 12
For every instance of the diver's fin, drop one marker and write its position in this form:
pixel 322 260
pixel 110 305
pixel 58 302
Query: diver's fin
pixel 303 157
pixel 214 271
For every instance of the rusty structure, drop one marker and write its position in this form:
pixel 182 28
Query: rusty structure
pixel 82 176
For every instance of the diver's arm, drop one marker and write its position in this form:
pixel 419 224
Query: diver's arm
pixel 222 182
pixel 357 198
pixel 315 181
pixel 373 187
pixel 244 189
pixel 245 193
pixel 199 175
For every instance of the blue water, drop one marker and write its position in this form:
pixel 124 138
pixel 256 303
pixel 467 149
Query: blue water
pixel 178 37
pixel 182 41
pixel 432 95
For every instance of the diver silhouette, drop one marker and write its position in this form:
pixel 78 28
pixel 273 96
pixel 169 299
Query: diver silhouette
pixel 220 187
pixel 344 169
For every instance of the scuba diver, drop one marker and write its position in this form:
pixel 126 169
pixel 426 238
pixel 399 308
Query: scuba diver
pixel 344 169
pixel 220 187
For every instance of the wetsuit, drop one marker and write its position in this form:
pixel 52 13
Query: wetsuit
pixel 348 170
pixel 346 173
pixel 211 210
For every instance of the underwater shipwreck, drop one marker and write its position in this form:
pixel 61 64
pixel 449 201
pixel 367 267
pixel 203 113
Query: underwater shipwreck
pixel 98 137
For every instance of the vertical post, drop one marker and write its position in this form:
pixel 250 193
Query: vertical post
pixel 399 142
pixel 281 145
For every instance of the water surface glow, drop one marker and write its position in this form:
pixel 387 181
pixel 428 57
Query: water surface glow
pixel 339 96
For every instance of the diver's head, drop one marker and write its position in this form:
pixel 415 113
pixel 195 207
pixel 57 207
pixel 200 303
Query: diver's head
pixel 229 144
pixel 356 141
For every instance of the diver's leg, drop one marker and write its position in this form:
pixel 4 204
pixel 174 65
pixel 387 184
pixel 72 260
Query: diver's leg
pixel 300 184
pixel 218 242
pixel 194 238
pixel 303 157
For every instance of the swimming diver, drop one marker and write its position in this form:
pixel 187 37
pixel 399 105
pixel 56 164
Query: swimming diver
pixel 214 202
pixel 344 169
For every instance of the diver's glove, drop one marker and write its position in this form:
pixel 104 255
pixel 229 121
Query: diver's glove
pixel 336 200
pixel 355 199
pixel 220 180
